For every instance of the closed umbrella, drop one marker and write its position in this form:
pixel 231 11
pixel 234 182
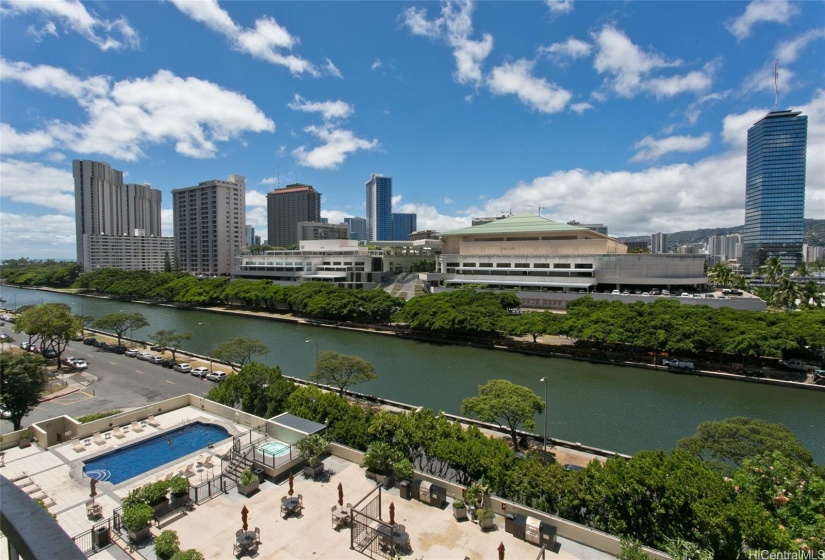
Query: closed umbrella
pixel 93 492
pixel 244 514
pixel 340 494
pixel 291 491
pixel 392 513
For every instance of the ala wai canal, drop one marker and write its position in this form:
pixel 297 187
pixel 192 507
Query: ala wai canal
pixel 623 409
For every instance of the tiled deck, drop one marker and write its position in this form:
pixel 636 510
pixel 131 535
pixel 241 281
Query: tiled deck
pixel 211 527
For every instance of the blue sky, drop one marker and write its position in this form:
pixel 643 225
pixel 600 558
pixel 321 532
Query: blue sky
pixel 631 114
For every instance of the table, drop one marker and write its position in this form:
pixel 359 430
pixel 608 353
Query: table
pixel 246 540
pixel 341 515
pixel 393 536
pixel 291 505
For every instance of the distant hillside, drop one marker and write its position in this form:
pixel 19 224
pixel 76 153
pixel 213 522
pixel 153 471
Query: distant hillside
pixel 814 234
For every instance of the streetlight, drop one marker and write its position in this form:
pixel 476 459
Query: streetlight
pixel 544 455
pixel 316 348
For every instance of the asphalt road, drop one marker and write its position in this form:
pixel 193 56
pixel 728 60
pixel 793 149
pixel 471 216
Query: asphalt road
pixel 122 383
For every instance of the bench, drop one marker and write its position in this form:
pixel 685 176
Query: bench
pixel 168 514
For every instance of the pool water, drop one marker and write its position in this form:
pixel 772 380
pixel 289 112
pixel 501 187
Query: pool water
pixel 274 449
pixel 138 458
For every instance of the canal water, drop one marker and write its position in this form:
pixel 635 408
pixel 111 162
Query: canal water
pixel 623 409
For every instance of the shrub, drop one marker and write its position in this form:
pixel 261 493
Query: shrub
pixel 248 477
pixel 42 504
pixel 167 544
pixel 311 448
pixel 484 513
pixel 190 554
pixel 25 434
pixel 179 486
pixel 474 495
pixel 155 493
pixel 381 457
pixel 632 550
pixel 403 470
pixel 137 516
pixel 458 504
pixel 97 416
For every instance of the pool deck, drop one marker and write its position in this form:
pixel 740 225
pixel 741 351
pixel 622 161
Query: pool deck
pixel 55 475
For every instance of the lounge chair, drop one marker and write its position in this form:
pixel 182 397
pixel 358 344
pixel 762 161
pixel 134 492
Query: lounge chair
pixel 118 433
pixel 152 422
pixel 189 471
pixel 78 446
pixel 257 535
pixel 99 439
pixel 136 427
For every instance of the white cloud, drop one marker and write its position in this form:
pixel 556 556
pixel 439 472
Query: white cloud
pixel 786 53
pixel 651 148
pixel 580 107
pixel 48 236
pixel 428 217
pixel 335 216
pixel 454 26
pixel 48 29
pixel 192 113
pixel 105 34
pixel 256 217
pixel 516 78
pixel 333 70
pixel 167 222
pixel 779 11
pixel 13 142
pixel 630 68
pixel 376 65
pixel 337 144
pixel 265 41
pixel 694 110
pixel 447 200
pixel 559 6
pixel 329 110
pixel 571 48
pixel 255 199
pixel 270 181
pixel 34 183
pixel 735 127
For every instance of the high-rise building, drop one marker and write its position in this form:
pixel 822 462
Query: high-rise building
pixel 357 228
pixel 286 208
pixel 403 225
pixel 658 243
pixel 313 231
pixel 379 208
pixel 725 247
pixel 105 206
pixel 210 225
pixel 775 190
pixel 250 236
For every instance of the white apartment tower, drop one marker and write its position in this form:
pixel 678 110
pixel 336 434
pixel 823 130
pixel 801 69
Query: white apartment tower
pixel 210 225
pixel 106 207
pixel 658 243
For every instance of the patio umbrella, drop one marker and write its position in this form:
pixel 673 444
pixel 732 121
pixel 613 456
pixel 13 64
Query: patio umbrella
pixel 340 494
pixel 244 513
pixel 392 513
pixel 500 551
pixel 291 491
pixel 93 492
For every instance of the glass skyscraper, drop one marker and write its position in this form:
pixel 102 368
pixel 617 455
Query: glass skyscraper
pixel 775 190
pixel 379 208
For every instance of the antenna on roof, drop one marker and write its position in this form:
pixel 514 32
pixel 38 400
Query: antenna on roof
pixel 776 85
pixel 541 208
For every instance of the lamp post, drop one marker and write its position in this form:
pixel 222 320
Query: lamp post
pixel 316 348
pixel 544 454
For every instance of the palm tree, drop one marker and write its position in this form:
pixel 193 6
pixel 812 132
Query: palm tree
pixel 771 270
pixel 786 293
pixel 812 295
pixel 720 275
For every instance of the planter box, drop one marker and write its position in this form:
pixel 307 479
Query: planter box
pixel 178 501
pixel 161 508
pixel 139 536
pixel 248 490
pixel 488 523
pixel 25 442
pixel 460 513
pixel 314 472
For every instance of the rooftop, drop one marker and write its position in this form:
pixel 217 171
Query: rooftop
pixel 55 475
pixel 520 223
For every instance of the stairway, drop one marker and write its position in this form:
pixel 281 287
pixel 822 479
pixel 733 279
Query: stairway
pixel 238 463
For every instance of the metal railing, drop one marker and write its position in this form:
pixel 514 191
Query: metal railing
pixel 99 537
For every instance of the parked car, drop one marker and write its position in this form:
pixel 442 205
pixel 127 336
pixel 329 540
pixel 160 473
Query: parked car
pixel 118 349
pixel 49 353
pixel 616 292
pixel 78 337
pixel 155 360
pixel 157 348
pixel 5 414
pixel 200 372
pixel 90 341
pixel 216 376
pixel 34 348
pixel 645 294
pixel 168 363
pixel 665 292
pixel 24 345
pixel 80 364
pixel 143 356
pixel 183 368
pixel 131 353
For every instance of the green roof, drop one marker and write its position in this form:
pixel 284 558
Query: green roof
pixel 520 223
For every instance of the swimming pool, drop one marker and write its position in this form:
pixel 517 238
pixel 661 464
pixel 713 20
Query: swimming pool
pixel 274 449
pixel 138 458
